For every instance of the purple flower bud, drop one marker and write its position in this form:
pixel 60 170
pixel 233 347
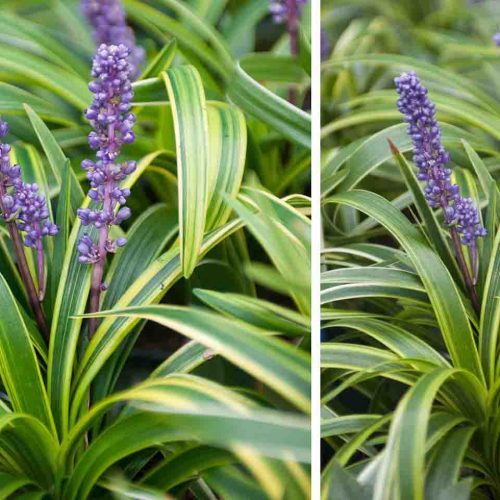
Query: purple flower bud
pixel 120 242
pixel 496 39
pixel 129 167
pixel 8 202
pixel 123 214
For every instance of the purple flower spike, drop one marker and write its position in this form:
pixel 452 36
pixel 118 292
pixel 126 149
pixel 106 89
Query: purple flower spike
pixel 22 202
pixel 108 19
pixel 460 214
pixel 467 220
pixel 496 39
pixel 24 205
pixel 431 158
pixel 33 217
pixel 112 122
pixel 282 10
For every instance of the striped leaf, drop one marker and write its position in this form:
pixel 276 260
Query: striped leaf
pixel 187 99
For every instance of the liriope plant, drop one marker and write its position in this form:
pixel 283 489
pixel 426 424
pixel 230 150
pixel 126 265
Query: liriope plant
pixel 410 275
pixel 176 182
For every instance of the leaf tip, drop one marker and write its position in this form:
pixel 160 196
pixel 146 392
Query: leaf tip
pixel 394 150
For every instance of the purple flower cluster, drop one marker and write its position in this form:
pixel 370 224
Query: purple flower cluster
pixel 496 39
pixel 108 19
pixel 33 217
pixel 22 202
pixel 112 121
pixel 431 158
pixel 282 10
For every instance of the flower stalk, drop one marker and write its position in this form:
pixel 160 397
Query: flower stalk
pixel 29 285
pixel 289 12
pixel 112 125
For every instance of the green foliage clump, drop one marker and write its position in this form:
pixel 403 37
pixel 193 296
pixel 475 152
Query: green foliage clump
pixel 410 371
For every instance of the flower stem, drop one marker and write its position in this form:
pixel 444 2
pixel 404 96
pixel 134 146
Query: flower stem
pixel 293 31
pixel 28 280
pixel 41 270
pixel 469 283
pixel 98 271
pixel 95 290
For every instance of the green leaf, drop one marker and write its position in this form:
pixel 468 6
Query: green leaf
pixel 12 100
pixel 144 430
pixel 262 104
pixel 489 327
pixel 346 424
pixel 161 62
pixel 272 361
pixel 184 360
pixel 71 299
pixel 186 464
pixel 180 408
pixel 30 447
pixel 446 301
pixel 266 66
pixel 227 146
pixel 230 482
pixel 260 313
pixel 163 26
pixel 150 287
pixel 485 178
pixel 10 483
pixel 444 470
pixel 284 233
pixel 19 368
pixel 404 456
pixel 360 158
pixel 125 268
pixel 353 356
pixel 63 221
pixel 424 69
pixel 400 341
pixel 344 485
pixel 187 98
pixel 62 82
pixel 202 29
pixel 56 157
